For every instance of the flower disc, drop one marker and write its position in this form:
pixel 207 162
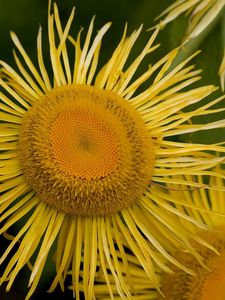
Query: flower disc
pixel 86 151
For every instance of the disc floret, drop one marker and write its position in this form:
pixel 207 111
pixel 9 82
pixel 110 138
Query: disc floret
pixel 91 153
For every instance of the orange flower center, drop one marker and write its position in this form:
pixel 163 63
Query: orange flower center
pixel 214 286
pixel 86 151
pixel 84 145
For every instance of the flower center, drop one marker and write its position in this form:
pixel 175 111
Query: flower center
pixel 214 285
pixel 86 151
pixel 84 145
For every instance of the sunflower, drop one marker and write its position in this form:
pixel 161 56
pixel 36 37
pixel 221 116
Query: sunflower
pixel 86 158
pixel 209 279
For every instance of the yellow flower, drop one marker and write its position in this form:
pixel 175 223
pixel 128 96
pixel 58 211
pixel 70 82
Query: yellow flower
pixel 86 156
pixel 203 12
pixel 208 282
pixel 208 207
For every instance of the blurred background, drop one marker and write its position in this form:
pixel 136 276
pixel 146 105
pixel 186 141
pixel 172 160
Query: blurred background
pixel 24 18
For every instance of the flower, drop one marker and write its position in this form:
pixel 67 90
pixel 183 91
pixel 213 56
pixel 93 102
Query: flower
pixel 202 14
pixel 86 158
pixel 208 282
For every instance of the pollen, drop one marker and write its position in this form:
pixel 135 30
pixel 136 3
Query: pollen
pixel 86 151
pixel 83 145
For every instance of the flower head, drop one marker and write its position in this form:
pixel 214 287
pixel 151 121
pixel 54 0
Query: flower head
pixel 208 282
pixel 88 157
